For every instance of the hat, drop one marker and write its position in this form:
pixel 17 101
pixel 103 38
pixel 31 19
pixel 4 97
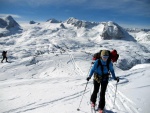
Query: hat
pixel 104 53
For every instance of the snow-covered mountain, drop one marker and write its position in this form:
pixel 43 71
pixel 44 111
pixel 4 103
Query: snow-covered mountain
pixel 136 30
pixel 105 30
pixel 53 21
pixel 108 30
pixel 9 26
pixel 112 30
pixel 80 23
pixel 49 63
pixel 141 35
pixel 32 22
pixel 11 23
pixel 67 32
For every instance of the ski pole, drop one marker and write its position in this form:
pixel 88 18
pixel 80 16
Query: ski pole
pixel 82 96
pixel 90 68
pixel 85 88
pixel 115 95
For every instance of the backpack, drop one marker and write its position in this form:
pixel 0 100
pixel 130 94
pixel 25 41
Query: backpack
pixel 4 53
pixel 113 56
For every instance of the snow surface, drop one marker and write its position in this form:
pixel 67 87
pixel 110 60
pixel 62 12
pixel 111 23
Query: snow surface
pixel 48 66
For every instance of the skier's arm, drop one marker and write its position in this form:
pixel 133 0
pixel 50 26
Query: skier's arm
pixel 112 70
pixel 93 68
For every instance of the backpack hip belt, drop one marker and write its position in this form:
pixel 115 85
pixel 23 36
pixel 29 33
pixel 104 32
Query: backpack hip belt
pixel 99 78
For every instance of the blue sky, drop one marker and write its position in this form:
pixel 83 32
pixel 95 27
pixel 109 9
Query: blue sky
pixel 127 13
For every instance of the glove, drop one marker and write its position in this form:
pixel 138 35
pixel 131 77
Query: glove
pixel 88 78
pixel 92 62
pixel 117 79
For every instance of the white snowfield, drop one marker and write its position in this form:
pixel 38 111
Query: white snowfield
pixel 48 66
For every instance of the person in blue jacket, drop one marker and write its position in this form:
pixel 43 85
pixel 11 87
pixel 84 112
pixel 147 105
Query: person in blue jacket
pixel 101 69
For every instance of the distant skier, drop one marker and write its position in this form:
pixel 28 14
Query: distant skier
pixel 101 73
pixel 4 54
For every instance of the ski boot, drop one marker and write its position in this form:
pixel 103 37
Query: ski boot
pixel 92 104
pixel 100 111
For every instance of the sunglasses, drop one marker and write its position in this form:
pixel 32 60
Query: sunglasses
pixel 106 57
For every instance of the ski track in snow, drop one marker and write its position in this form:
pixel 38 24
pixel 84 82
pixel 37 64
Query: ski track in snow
pixel 122 103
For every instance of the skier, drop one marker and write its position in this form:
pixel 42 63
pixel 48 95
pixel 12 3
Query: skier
pixel 4 54
pixel 101 76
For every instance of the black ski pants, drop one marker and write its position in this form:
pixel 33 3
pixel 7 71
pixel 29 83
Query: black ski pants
pixel 97 85
pixel 4 58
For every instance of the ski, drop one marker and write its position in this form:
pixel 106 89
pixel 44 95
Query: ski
pixel 92 110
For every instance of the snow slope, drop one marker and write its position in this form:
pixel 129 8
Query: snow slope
pixel 48 66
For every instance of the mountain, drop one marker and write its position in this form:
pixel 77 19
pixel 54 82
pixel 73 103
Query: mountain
pixel 53 21
pixel 112 30
pixel 136 30
pixel 72 31
pixel 32 22
pixel 141 35
pixel 11 23
pixel 3 23
pixel 104 30
pixel 70 37
pixel 9 26
pixel 79 23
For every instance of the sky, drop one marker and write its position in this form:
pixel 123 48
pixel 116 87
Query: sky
pixel 127 13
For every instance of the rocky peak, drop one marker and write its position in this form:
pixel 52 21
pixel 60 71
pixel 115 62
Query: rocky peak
pixel 3 23
pixel 32 22
pixel 11 23
pixel 114 31
pixel 79 23
pixel 9 26
pixel 52 20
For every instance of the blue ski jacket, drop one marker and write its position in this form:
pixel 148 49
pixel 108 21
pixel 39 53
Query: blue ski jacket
pixel 98 70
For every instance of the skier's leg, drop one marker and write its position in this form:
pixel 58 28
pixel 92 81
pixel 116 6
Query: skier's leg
pixel 2 60
pixel 6 59
pixel 102 94
pixel 95 91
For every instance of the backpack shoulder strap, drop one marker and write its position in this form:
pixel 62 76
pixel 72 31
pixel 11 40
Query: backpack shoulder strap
pixel 108 62
pixel 100 64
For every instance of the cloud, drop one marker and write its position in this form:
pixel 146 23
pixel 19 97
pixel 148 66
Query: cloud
pixel 88 3
pixel 36 3
pixel 13 15
pixel 137 7
pixel 134 7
